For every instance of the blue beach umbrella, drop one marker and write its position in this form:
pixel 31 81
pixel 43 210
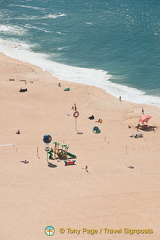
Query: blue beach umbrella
pixel 47 138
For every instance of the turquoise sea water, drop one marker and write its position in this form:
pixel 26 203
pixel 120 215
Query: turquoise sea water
pixel 111 44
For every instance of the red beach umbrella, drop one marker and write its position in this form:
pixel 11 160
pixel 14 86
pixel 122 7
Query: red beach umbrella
pixel 145 118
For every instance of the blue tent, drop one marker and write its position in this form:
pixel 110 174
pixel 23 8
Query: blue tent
pixel 96 129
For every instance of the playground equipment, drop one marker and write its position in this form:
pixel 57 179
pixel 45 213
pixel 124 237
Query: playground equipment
pixel 56 148
pixel 71 155
pixel 62 153
pixel 76 115
pixel 47 139
pixel 50 153
pixel 69 162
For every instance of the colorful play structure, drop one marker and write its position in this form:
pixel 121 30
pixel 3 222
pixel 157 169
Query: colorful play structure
pixel 69 162
pixel 61 152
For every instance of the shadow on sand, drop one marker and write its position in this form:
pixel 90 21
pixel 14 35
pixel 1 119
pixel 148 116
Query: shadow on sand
pixel 25 161
pixel 147 128
pixel 51 165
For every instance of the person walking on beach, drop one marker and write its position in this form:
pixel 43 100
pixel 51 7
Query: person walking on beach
pixel 142 111
pixel 138 127
pixel 86 168
pixel 120 99
pixel 74 107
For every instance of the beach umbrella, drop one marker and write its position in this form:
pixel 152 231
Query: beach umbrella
pixel 145 118
pixel 47 139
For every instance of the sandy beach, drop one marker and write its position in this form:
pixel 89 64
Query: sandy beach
pixel 119 192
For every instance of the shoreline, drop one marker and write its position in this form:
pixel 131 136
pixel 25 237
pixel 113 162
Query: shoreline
pixel 12 59
pixel 78 75
pixel 110 195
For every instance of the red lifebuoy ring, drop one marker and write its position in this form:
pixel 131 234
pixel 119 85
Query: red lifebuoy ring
pixel 76 114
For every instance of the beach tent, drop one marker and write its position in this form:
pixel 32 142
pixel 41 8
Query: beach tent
pixel 67 89
pixel 145 119
pixel 96 129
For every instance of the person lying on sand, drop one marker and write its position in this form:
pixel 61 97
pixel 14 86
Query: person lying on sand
pixel 25 161
pixel 91 117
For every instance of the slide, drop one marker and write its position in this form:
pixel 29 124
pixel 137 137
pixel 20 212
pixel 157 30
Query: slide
pixel 71 155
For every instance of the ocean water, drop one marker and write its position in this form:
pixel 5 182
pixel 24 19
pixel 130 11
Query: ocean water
pixel 111 44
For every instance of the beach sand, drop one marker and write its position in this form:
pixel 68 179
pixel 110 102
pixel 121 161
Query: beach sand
pixel 111 195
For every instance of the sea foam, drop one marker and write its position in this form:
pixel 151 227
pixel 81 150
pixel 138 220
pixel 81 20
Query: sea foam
pixel 25 6
pixel 55 15
pixel 92 77
pixel 12 30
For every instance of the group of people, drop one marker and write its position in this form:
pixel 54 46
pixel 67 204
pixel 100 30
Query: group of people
pixel 74 107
